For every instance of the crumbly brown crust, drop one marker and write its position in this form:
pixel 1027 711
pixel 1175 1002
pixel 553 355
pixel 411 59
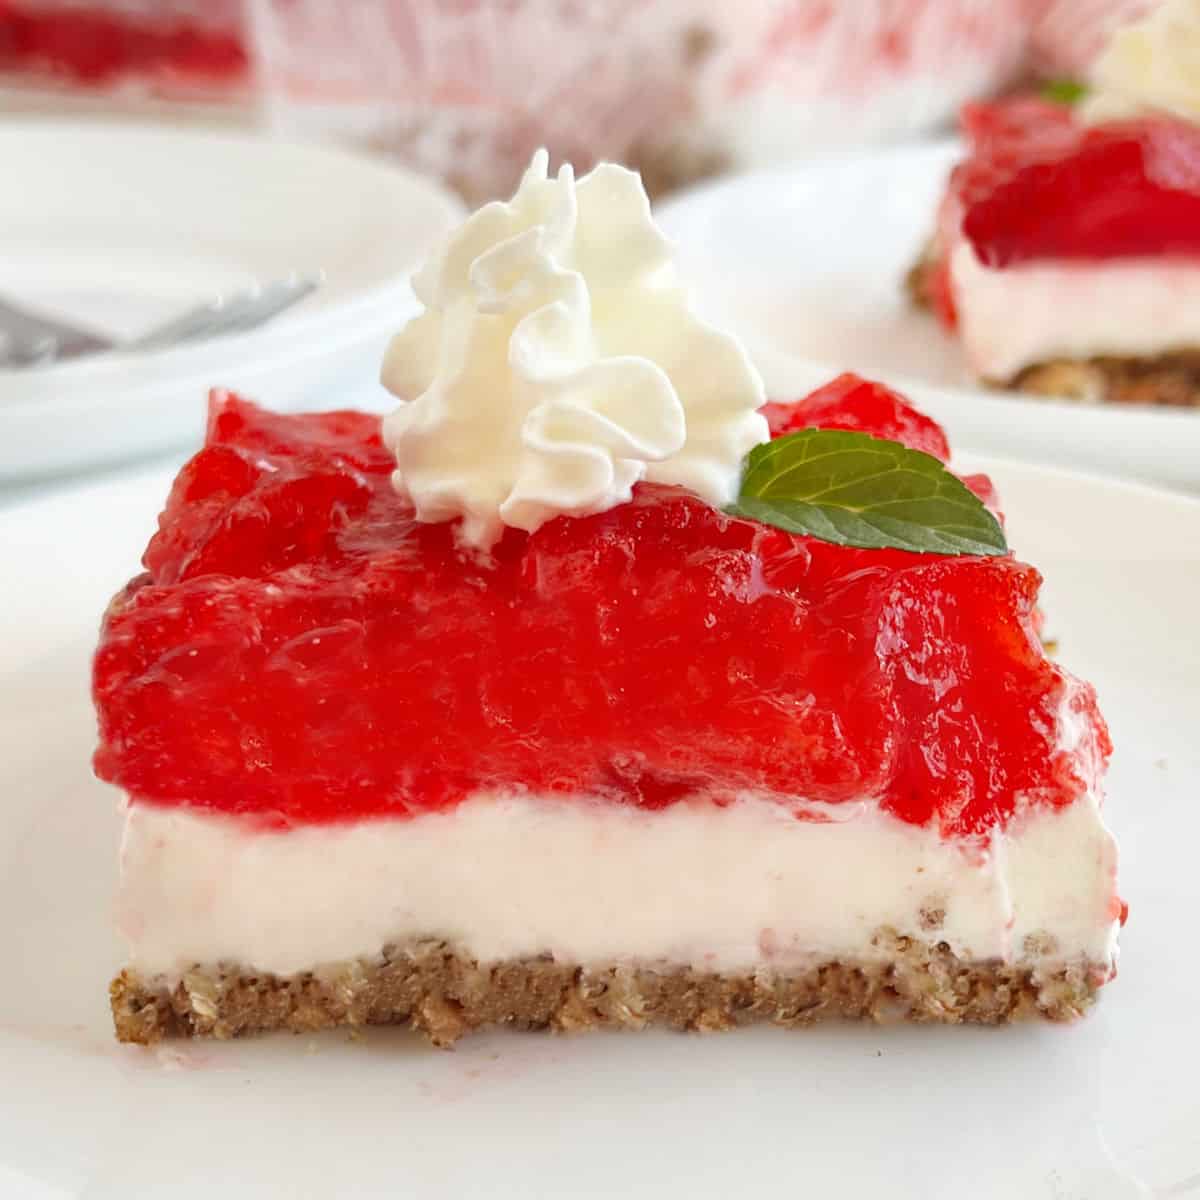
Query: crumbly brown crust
pixel 918 283
pixel 1166 379
pixel 1169 379
pixel 445 994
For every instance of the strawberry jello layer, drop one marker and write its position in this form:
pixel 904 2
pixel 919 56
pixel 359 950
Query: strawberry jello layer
pixel 1059 239
pixel 300 650
pixel 656 735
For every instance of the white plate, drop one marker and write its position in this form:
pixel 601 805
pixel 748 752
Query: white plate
pixel 807 264
pixel 1103 1110
pixel 118 226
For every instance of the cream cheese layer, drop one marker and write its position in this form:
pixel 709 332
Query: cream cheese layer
pixel 502 876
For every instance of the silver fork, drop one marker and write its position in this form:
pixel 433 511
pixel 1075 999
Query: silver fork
pixel 29 339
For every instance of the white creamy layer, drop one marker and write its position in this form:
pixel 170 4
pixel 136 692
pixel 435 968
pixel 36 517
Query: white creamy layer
pixel 745 886
pixel 1010 319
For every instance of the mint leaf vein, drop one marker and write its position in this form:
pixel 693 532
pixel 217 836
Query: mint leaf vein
pixel 856 490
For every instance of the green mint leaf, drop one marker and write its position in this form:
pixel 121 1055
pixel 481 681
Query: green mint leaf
pixel 857 490
pixel 1064 91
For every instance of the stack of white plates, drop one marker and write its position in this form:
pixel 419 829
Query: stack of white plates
pixel 117 227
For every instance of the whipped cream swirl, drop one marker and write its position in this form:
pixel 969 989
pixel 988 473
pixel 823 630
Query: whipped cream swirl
pixel 558 363
pixel 1151 65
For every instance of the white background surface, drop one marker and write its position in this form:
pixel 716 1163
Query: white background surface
pixel 1103 1110
pixel 807 264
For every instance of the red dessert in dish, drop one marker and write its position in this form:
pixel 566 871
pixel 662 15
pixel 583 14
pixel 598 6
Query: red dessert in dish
pixel 98 45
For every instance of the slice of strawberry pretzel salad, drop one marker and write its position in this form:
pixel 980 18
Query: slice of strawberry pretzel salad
pixel 1066 257
pixel 589 690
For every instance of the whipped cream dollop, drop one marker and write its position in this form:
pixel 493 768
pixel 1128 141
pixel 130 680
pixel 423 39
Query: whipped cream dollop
pixel 1151 65
pixel 558 363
